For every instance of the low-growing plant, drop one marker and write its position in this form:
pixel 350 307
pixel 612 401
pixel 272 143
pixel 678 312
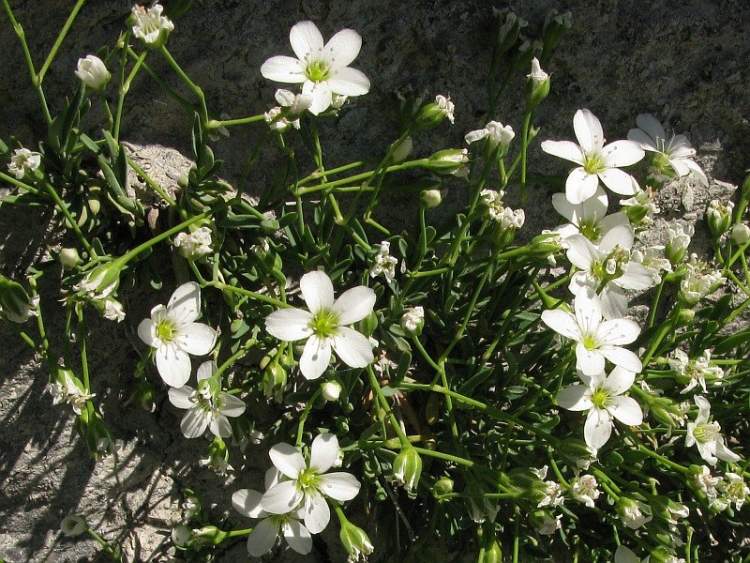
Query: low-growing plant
pixel 451 384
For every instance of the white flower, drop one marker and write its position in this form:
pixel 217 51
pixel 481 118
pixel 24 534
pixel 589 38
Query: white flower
pixel 634 513
pixel 295 104
pixel 734 489
pixel 208 406
pixel 537 75
pixel 678 240
pixel 596 339
pixel 92 72
pixel 653 260
pixel 325 325
pixel 308 484
pixel 699 282
pixel 331 390
pixel 607 268
pixel 413 318
pixel 676 152
pixel 706 436
pixel 195 244
pixel 495 132
pixel 589 218
pixel 553 495
pixel 625 555
pixel 23 162
pixel 507 218
pixel 67 390
pixel 276 121
pixel 174 334
pixel 707 482
pixel 740 233
pixel 385 264
pixel 321 69
pixel 585 489
pixel 596 161
pixel 447 107
pixel 696 371
pixel 603 398
pixel 113 310
pixel 263 537
pixel 150 26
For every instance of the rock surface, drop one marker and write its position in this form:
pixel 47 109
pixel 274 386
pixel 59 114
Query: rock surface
pixel 685 61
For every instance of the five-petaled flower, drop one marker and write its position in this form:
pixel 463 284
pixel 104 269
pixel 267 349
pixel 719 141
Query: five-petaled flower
pixel 706 436
pixel 325 325
pixel 307 484
pixel 596 338
pixel 596 161
pixel 322 69
pixel 174 334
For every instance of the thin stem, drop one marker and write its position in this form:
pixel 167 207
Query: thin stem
pixel 14 181
pixel 362 176
pixel 60 38
pixel 124 89
pixel 444 456
pixel 188 82
pixel 524 148
pixel 375 385
pixel 664 460
pixel 247 293
pixel 304 415
pixel 60 204
pixel 215 123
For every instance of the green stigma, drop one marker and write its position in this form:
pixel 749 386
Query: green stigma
pixel 600 398
pixel 589 342
pixel 308 479
pixel 166 330
pixel 317 71
pixel 324 323
pixel 590 230
pixel 593 164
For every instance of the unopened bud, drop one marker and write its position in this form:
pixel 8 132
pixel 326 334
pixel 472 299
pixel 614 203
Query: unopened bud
pixel 448 161
pixel 73 525
pixel 413 319
pixel 538 85
pixel 181 535
pixel 69 258
pixel 331 390
pixel 740 233
pixel 93 73
pixel 442 487
pixel 407 468
pixel 433 114
pixel 15 304
pixel 355 541
pixel 431 198
pixel 719 217
pixel 274 380
pixel 402 150
pixel 492 553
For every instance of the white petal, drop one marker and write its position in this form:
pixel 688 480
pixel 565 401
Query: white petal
pixel 147 332
pixel 283 497
pixel 622 153
pixel 622 357
pixel 597 429
pixel 620 235
pixel 618 181
pixel 173 365
pixel 324 452
pixel 231 405
pixel 581 252
pixel 567 150
pixel 206 370
pixel 283 69
pixel 725 454
pixel 262 538
pixel 289 324
pixel 697 171
pixel 626 410
pixel 195 422
pixel 614 302
pixel 619 381
pixel 315 357
pixel 580 185
pixel 582 282
pixel 635 277
pixel 180 397
pixel 588 312
pixel 297 536
pixel 354 304
pixel 317 513
pixel 317 291
pixel 306 39
pixel 339 486
pixel 185 304
pixel 625 555
pixel 643 139
pixel 247 503
pixel 618 332
pixel 613 220
pixel 196 339
pixel 588 131
pixel 287 459
pixel 561 322
pixel 651 126
pixel 349 81
pixel 220 426
pixel 574 398
pixel 320 95
pixel 353 348
pixel 272 477
pixel 590 362
pixel 343 48
pixel 476 135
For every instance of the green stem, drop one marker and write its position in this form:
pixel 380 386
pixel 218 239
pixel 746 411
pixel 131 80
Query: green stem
pixel 215 123
pixel 655 304
pixel 189 83
pixel 247 293
pixel 524 148
pixel 663 460
pixel 304 415
pixel 15 182
pixel 151 182
pixel 375 385
pixel 124 89
pixel 362 176
pixel 60 38
pixel 60 204
pixel 128 256
pixel 164 86
pixel 444 456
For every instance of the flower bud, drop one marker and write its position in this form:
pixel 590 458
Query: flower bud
pixel 740 233
pixel 546 244
pixel 679 237
pixel 684 317
pixel 544 522
pixel 448 161
pixel 433 114
pixel 93 73
pixel 274 380
pixel 102 281
pixel 442 487
pixel 73 525
pixel 719 217
pixel 355 541
pixel 211 533
pixel 69 258
pixel 413 320
pixel 507 32
pixel 538 84
pixel 492 553
pixel 194 245
pixel 431 198
pixel 407 468
pixel 15 304
pixel 633 513
pixel 402 150
pixel 182 536
pixel 331 390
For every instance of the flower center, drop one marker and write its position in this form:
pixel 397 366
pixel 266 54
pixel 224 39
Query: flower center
pixel 589 342
pixel 308 479
pixel 706 432
pixel 317 71
pixel 166 330
pixel 324 323
pixel 593 164
pixel 600 397
pixel 590 230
